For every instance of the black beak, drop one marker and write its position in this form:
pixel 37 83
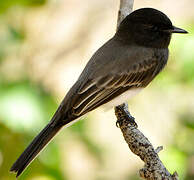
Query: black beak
pixel 176 30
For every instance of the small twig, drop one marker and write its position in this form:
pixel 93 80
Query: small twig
pixel 158 149
pixel 153 168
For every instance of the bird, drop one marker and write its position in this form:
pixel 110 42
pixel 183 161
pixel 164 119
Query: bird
pixel 117 71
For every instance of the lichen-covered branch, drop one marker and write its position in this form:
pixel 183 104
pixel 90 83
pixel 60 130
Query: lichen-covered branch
pixel 141 146
pixel 153 168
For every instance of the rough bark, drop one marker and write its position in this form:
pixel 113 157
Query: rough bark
pixel 153 168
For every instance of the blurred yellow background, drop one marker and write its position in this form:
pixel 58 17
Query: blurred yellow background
pixel 44 45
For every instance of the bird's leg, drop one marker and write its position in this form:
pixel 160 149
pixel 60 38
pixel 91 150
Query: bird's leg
pixel 123 114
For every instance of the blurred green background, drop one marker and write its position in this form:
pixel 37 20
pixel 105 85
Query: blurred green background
pixel 44 45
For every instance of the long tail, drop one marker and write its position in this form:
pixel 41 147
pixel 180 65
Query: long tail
pixel 39 142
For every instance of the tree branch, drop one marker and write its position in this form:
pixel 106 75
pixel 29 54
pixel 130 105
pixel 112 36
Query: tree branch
pixel 126 7
pixel 153 168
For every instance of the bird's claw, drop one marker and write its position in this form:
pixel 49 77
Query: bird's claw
pixel 117 123
pixel 132 122
pixel 130 119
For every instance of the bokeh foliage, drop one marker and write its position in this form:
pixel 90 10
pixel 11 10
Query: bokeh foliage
pixel 26 106
pixel 6 4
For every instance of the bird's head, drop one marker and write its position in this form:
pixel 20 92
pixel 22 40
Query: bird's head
pixel 147 27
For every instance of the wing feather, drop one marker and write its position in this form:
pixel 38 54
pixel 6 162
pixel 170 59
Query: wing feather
pixel 94 94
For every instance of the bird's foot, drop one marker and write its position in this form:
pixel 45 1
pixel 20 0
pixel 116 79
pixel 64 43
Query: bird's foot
pixel 130 119
pixel 124 116
pixel 132 122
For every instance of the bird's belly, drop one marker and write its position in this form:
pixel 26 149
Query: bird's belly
pixel 122 98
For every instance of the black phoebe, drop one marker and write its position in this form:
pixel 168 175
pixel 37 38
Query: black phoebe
pixel 123 66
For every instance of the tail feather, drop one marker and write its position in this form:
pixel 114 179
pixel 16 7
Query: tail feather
pixel 39 142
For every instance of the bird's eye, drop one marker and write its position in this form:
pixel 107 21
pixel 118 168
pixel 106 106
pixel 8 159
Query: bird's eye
pixel 154 28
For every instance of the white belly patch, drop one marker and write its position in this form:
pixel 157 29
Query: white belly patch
pixel 123 98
